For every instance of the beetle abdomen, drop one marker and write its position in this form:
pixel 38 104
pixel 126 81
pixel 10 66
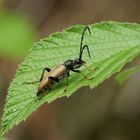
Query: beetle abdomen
pixel 58 71
pixel 45 84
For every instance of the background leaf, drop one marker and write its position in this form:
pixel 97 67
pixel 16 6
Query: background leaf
pixel 16 35
pixel 121 77
pixel 112 45
pixel 2 138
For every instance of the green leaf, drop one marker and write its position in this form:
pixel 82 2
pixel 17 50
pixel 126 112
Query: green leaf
pixel 122 76
pixel 112 45
pixel 16 35
pixel 2 138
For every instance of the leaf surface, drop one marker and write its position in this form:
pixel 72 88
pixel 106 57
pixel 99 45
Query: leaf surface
pixel 112 45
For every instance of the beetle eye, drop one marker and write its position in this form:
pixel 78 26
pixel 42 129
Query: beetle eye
pixel 82 61
pixel 77 60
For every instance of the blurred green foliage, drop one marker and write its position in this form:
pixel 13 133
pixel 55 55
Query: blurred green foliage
pixel 2 138
pixel 125 74
pixel 16 35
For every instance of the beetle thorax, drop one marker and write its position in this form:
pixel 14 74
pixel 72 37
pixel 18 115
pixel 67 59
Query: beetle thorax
pixel 73 64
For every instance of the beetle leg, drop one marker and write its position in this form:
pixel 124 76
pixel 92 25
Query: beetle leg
pixel 89 68
pixel 49 86
pixel 31 82
pixel 42 75
pixel 78 71
pixel 67 84
pixel 54 79
pixel 47 69
pixel 68 73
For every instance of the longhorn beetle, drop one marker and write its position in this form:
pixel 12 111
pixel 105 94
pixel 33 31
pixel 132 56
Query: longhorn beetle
pixel 63 70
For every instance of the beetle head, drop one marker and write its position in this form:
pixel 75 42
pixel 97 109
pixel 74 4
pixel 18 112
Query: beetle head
pixel 78 63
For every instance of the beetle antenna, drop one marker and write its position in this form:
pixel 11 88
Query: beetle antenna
pixel 86 46
pixel 81 44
